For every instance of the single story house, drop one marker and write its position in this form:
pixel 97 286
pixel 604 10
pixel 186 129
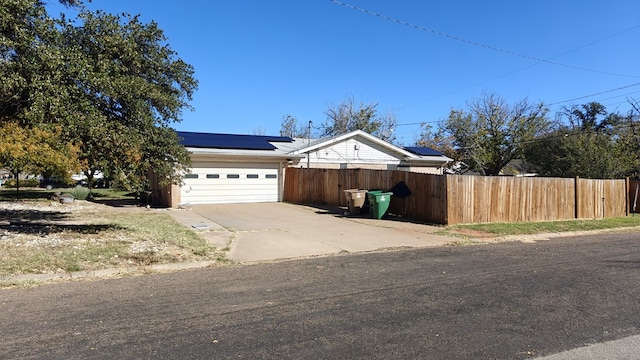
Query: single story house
pixel 229 168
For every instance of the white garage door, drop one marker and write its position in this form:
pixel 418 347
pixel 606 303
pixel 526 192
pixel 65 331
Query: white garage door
pixel 219 183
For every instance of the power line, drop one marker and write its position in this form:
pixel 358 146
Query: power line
pixel 617 96
pixel 551 104
pixel 596 94
pixel 520 69
pixel 505 51
pixel 609 105
pixel 419 123
pixel 627 99
pixel 474 43
pixel 528 66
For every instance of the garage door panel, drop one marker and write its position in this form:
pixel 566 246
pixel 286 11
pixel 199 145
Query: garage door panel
pixel 214 184
pixel 199 191
pixel 255 182
pixel 209 185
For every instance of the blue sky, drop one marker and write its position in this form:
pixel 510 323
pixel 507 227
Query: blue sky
pixel 257 60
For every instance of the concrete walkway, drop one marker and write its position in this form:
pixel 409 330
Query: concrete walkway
pixel 274 231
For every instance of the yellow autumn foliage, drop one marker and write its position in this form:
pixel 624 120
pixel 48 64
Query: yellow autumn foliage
pixel 36 150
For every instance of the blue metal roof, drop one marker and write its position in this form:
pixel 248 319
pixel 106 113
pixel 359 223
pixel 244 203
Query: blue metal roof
pixel 229 141
pixel 423 151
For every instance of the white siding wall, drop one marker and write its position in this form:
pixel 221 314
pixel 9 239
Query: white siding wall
pixel 424 169
pixel 359 153
pixel 352 152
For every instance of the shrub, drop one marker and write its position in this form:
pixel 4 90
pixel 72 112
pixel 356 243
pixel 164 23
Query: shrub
pixel 11 183
pixel 31 183
pixel 79 193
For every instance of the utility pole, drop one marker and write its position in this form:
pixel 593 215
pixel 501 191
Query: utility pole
pixel 308 142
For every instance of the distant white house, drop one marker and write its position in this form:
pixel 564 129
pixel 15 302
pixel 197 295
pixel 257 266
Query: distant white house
pixel 82 177
pixel 228 168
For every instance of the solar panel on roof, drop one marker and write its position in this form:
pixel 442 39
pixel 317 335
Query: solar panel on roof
pixel 423 151
pixel 278 138
pixel 229 141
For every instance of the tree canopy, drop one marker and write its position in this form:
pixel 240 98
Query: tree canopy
pixel 589 142
pixel 348 116
pixel 489 133
pixel 291 128
pixel 36 151
pixel 111 83
pixel 438 139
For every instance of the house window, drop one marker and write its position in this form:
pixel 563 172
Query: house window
pixel 213 176
pixel 271 176
pixel 191 176
pixel 252 176
pixel 233 176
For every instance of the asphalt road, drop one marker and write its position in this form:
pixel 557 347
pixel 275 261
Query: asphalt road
pixel 501 301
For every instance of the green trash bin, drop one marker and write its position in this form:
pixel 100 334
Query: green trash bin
pixel 371 199
pixel 379 203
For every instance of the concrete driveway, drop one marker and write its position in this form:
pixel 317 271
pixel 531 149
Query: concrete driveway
pixel 272 231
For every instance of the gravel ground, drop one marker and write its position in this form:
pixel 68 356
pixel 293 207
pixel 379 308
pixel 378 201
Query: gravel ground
pixel 47 223
pixel 47 237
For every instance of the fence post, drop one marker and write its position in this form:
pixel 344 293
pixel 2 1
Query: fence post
pixel 626 197
pixel 445 194
pixel 577 194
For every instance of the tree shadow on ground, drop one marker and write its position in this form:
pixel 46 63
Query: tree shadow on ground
pixel 341 211
pixel 41 222
pixel 117 202
pixel 25 215
pixel 43 229
pixel 9 194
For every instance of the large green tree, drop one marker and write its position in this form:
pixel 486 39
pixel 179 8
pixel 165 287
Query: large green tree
pixel 490 133
pixel 112 83
pixel 134 83
pixel 589 142
pixel 29 69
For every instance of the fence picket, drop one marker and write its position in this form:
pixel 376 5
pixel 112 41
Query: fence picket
pixel 458 199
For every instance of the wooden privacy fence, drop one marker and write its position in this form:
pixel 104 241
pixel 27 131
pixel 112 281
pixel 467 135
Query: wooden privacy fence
pixel 458 199
pixel 474 199
pixel 326 186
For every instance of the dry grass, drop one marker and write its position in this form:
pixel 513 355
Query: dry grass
pixel 502 229
pixel 44 237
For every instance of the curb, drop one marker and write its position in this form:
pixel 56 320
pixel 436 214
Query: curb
pixel 160 268
pixel 549 236
pixel 104 273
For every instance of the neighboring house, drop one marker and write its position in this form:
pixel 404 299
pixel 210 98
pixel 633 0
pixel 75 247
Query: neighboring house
pixel 229 168
pixel 5 173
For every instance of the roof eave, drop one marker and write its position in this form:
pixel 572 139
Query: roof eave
pixel 431 159
pixel 242 154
